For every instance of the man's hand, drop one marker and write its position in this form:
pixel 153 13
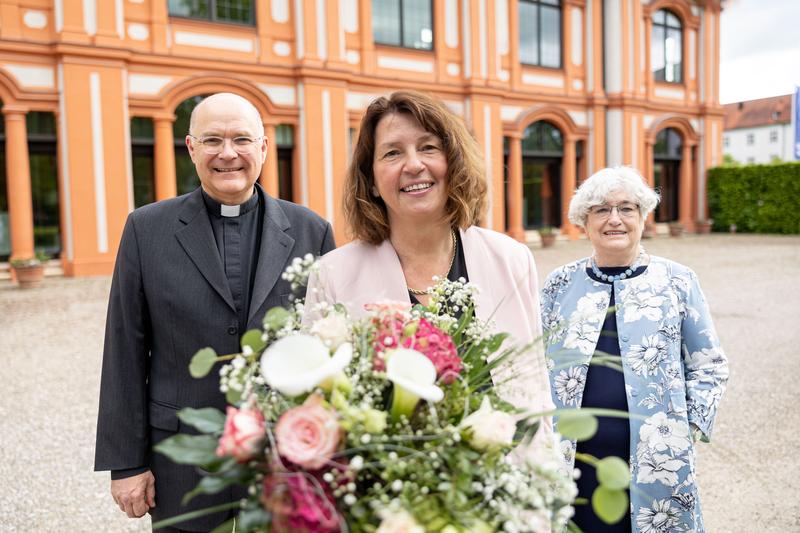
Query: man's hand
pixel 135 495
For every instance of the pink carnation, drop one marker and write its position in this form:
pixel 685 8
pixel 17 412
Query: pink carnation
pixel 308 435
pixel 243 434
pixel 300 502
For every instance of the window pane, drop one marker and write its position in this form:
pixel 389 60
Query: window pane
pixel 551 37
pixel 189 8
pixel 657 59
pixel 141 128
pixel 40 123
pixel 143 178
pixel 44 190
pixel 660 17
pixel 528 33
pixel 185 173
pixel 284 135
pixel 417 27
pixel 672 50
pixel 672 20
pixel 183 114
pixel 386 21
pixel 234 11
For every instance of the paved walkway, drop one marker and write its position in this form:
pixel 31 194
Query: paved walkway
pixel 51 341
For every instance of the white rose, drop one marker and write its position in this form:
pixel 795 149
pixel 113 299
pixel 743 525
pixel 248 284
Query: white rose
pixel 491 429
pixel 333 330
pixel 399 521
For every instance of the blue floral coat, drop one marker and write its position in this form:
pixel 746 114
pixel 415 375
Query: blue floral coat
pixel 675 374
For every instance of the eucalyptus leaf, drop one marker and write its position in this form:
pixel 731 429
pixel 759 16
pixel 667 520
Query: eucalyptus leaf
pixel 276 318
pixel 208 485
pixel 189 449
pixel 233 397
pixel 577 426
pixel 253 340
pixel 609 505
pixel 613 473
pixel 202 362
pixel 206 420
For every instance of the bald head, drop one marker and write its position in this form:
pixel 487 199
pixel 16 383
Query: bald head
pixel 226 104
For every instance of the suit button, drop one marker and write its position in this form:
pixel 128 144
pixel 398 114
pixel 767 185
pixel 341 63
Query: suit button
pixel 232 330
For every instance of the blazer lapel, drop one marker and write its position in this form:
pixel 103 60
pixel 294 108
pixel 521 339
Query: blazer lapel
pixel 276 245
pixel 197 239
pixel 479 272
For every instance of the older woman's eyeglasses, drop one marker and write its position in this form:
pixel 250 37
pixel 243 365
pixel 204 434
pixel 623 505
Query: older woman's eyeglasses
pixel 215 145
pixel 604 211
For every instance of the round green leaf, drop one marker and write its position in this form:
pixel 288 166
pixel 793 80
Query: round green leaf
pixel 576 425
pixel 609 505
pixel 276 318
pixel 202 362
pixel 613 473
pixel 253 339
pixel 207 420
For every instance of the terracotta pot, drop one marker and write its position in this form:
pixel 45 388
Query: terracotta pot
pixel 675 230
pixel 703 226
pixel 29 276
pixel 548 240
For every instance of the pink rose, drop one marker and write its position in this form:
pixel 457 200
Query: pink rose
pixel 243 434
pixel 308 435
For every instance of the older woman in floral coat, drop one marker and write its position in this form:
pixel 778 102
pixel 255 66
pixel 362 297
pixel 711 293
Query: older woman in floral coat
pixel 623 307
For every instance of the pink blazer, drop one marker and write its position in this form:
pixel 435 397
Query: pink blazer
pixel 502 269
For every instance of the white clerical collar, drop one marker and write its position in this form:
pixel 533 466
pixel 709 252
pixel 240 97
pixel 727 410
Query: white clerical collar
pixel 229 210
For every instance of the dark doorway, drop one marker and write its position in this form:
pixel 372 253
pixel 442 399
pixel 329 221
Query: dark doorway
pixel 666 173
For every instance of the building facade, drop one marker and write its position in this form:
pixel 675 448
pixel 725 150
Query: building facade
pixel 759 131
pixel 96 96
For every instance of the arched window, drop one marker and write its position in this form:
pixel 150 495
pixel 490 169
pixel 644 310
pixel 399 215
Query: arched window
pixel 540 32
pixel 666 53
pixel 542 154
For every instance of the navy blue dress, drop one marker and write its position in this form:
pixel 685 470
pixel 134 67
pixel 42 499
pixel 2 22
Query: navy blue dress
pixel 605 388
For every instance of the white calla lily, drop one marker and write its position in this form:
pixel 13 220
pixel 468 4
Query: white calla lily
pixel 298 363
pixel 413 375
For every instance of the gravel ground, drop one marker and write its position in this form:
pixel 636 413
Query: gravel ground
pixel 51 343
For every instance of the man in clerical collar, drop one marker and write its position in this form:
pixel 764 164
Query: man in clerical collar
pixel 194 271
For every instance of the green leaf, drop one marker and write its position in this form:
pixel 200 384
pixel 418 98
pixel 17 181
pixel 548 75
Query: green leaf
pixel 276 318
pixel 189 449
pixel 250 519
pixel 613 473
pixel 609 505
pixel 253 339
pixel 577 426
pixel 208 485
pixel 206 420
pixel 233 397
pixel 202 362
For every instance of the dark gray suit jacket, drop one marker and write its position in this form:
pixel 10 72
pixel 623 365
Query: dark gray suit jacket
pixel 170 298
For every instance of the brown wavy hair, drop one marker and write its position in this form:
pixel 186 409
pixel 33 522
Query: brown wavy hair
pixel 466 184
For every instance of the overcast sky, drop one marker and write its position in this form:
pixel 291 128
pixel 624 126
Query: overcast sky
pixel 759 49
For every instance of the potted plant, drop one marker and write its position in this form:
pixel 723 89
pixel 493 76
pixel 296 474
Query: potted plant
pixel 675 229
pixel 548 236
pixel 704 225
pixel 29 271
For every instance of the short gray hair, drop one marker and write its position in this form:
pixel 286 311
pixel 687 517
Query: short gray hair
pixel 600 185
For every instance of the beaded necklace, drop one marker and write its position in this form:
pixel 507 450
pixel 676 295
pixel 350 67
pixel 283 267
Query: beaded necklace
pixel 626 274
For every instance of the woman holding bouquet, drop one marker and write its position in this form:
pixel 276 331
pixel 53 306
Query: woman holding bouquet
pixel 413 195
pixel 624 307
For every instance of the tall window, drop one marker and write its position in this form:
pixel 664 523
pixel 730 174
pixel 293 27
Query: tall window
pixel 407 23
pixel 185 173
pixel 44 181
pixel 751 139
pixel 773 136
pixel 284 141
pixel 144 191
pixel 666 54
pixel 238 11
pixel 540 32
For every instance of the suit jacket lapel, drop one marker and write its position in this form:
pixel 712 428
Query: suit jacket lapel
pixel 197 239
pixel 276 245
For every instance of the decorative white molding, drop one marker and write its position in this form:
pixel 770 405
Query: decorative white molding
pixel 692 69
pixel 589 47
pixel 400 63
pixel 301 101
pixel 350 22
pixel 466 24
pixel 451 23
pixel 279 11
pixel 282 48
pixel 322 30
pixel 300 45
pixel 90 16
pixel 631 49
pixel 577 84
pixel 119 18
pixel 648 120
pixel 501 27
pixel 138 32
pixel 695 124
pixel 327 154
pixel 590 144
pixel 35 19
pixel 613 45
pixel 453 69
pixel 714 143
pixel 701 54
pixel 483 39
pixel 665 92
pixel 147 83
pixel 578 117
pixel 213 41
pixel 503 75
pixel 359 101
pixel 509 113
pixel 577 35
pixel 456 107
pixel 98 159
pixel 614 138
pixel 487 156
pixel 63 163
pixel 280 95
pixel 30 76
pixel 353 57
pixel 58 9
pixel 634 141
pixel 543 81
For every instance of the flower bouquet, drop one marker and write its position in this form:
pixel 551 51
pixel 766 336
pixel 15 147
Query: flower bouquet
pixel 391 422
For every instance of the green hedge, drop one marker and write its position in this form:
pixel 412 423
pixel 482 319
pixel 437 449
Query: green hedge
pixel 757 198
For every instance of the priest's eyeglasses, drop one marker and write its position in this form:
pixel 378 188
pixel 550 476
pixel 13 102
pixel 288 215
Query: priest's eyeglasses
pixel 215 145
pixel 604 211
